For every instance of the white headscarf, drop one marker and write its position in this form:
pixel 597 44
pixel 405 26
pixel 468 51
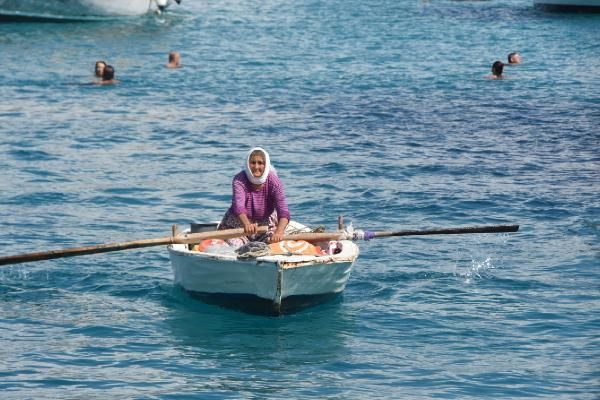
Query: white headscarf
pixel 263 178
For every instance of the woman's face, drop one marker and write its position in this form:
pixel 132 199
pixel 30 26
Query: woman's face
pixel 257 165
pixel 99 68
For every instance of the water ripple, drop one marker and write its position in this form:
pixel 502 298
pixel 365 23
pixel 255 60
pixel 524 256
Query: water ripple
pixel 376 110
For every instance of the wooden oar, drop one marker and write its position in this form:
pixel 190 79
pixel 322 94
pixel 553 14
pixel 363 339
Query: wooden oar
pixel 232 233
pixel 452 231
pixel 105 248
pixel 316 237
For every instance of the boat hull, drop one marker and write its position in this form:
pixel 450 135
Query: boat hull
pixel 276 281
pixel 569 5
pixel 74 9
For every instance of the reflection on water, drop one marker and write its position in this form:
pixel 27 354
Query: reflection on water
pixel 208 329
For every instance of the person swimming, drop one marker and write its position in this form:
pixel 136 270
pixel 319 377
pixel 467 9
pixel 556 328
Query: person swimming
pixel 108 76
pixel 174 60
pixel 497 69
pixel 514 58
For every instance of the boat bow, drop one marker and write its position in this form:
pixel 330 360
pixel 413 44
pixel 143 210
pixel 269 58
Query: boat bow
pixel 80 9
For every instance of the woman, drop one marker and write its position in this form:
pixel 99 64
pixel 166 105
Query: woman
pixel 99 69
pixel 258 199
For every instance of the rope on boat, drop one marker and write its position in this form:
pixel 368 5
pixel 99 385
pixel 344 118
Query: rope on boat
pixel 259 249
pixel 253 250
pixel 318 229
pixel 358 234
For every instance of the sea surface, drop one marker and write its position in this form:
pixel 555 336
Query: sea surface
pixel 377 110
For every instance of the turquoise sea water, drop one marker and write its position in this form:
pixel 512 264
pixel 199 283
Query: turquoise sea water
pixel 375 110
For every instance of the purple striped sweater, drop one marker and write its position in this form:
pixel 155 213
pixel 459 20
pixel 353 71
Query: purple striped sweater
pixel 258 205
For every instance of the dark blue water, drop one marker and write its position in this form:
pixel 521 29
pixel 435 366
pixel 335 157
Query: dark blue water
pixel 375 110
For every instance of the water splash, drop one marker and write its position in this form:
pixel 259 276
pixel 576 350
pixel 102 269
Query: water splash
pixel 480 257
pixel 14 274
pixel 479 269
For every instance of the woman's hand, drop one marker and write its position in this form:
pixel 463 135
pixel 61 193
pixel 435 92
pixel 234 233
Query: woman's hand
pixel 277 236
pixel 250 229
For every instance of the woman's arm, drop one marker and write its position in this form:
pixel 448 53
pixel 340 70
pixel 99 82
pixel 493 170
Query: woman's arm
pixel 278 197
pixel 249 227
pixel 238 199
pixel 279 232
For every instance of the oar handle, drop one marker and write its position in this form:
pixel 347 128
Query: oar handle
pixel 188 238
pixel 316 237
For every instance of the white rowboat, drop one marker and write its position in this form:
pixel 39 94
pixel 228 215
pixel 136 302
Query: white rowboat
pixel 281 282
